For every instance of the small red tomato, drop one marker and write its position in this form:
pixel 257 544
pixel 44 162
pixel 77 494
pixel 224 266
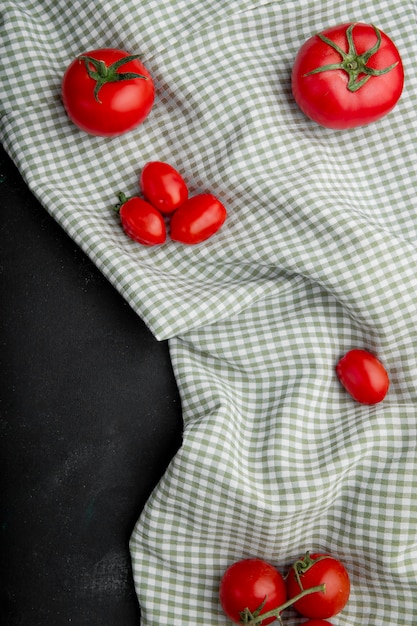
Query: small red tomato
pixel 107 92
pixel 141 221
pixel 363 376
pixel 248 585
pixel 314 570
pixel 197 219
pixel 163 186
pixel 316 622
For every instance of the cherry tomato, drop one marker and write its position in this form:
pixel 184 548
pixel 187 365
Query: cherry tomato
pixel 347 75
pixel 318 569
pixel 316 622
pixel 163 186
pixel 249 583
pixel 141 221
pixel 197 219
pixel 363 376
pixel 107 92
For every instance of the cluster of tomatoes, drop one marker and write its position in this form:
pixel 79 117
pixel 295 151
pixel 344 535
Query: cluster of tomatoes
pixel 317 586
pixel 253 592
pixel 192 220
pixel 346 76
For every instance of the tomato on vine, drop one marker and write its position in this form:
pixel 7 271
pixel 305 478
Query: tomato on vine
pixel 107 92
pixel 348 75
pixel 254 593
pixel 316 622
pixel 251 587
pixel 319 569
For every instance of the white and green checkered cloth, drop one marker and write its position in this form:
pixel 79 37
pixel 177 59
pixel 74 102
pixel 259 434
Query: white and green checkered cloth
pixel 318 255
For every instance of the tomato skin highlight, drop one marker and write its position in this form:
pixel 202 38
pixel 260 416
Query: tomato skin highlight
pixel 246 583
pixel 121 106
pixel 325 98
pixel 363 376
pixel 163 186
pixel 142 222
pixel 326 570
pixel 197 219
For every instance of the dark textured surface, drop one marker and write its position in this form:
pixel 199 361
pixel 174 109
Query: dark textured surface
pixel 90 418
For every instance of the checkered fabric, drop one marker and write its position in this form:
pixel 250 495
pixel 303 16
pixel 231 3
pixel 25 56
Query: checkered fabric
pixel 318 255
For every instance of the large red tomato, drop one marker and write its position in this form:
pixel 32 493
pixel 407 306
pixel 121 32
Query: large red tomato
pixel 348 75
pixel 254 586
pixel 314 570
pixel 107 92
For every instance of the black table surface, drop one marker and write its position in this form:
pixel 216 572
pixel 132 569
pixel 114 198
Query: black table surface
pixel 90 418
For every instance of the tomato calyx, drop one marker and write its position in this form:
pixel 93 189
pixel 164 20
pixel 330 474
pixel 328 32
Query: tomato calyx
pixel 255 618
pixel 353 63
pixel 103 73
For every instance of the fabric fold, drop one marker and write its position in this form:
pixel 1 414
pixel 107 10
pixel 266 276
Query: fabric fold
pixel 317 256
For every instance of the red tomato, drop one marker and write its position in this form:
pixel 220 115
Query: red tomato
pixel 197 219
pixel 318 569
pixel 107 92
pixel 363 376
pixel 247 585
pixel 163 186
pixel 348 75
pixel 316 622
pixel 141 221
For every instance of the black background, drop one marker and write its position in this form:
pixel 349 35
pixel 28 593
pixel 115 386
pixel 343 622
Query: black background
pixel 90 418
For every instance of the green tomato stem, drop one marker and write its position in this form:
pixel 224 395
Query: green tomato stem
pixel 122 200
pixel 256 621
pixel 303 565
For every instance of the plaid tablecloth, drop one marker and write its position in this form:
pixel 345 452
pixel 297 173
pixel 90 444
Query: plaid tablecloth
pixel 318 256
